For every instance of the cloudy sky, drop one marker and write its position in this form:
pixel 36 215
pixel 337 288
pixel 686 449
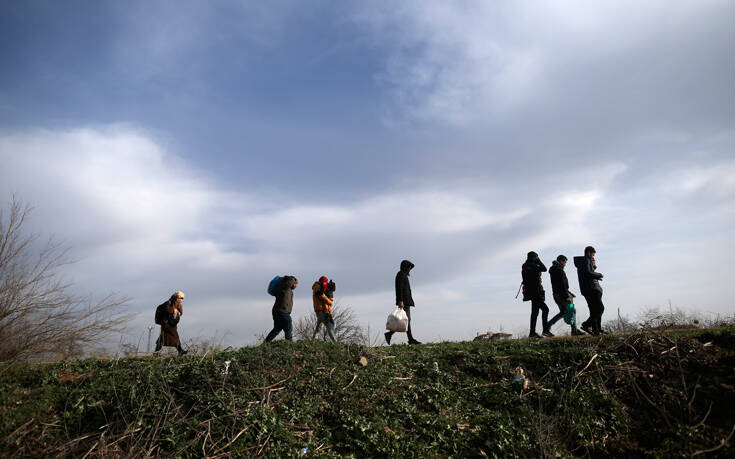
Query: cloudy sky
pixel 208 146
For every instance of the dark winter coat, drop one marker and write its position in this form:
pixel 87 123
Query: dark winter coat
pixel 284 295
pixel 169 330
pixel 531 273
pixel 588 277
pixel 403 286
pixel 559 281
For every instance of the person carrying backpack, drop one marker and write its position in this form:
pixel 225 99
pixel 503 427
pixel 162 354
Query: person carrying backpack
pixel 533 291
pixel 168 315
pixel 404 300
pixel 562 295
pixel 282 308
pixel 323 298
pixel 589 286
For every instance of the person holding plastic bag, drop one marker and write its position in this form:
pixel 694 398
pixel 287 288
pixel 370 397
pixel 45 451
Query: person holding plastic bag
pixel 404 301
pixel 562 296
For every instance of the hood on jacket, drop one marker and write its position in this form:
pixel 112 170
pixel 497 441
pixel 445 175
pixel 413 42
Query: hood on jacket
pixel 406 266
pixel 323 281
pixel 579 261
pixel 556 263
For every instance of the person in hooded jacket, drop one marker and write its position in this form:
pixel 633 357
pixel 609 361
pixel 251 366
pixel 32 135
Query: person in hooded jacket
pixel 322 296
pixel 282 309
pixel 168 315
pixel 533 290
pixel 562 295
pixel 404 300
pixel 589 286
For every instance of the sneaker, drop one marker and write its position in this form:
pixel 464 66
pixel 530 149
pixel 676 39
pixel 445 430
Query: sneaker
pixel 413 341
pixel 602 332
pixel 577 332
pixel 588 329
pixel 547 333
pixel 534 335
pixel 387 337
pixel 182 352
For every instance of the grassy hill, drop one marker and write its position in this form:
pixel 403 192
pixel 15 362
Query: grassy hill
pixel 661 393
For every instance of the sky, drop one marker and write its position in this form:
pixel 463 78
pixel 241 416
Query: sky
pixel 209 146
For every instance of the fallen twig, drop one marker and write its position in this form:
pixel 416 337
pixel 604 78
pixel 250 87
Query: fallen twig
pixel 723 442
pixel 353 380
pixel 588 365
pixel 233 440
pixel 479 385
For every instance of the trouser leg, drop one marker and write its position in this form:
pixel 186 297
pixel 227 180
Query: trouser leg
pixel 534 314
pixel 591 306
pixel 408 314
pixel 318 324
pixel 599 309
pixel 277 327
pixel 330 331
pixel 288 326
pixel 562 310
pixel 544 315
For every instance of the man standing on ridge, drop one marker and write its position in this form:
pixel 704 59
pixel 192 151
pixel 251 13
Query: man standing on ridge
pixel 562 295
pixel 282 308
pixel 589 286
pixel 404 300
pixel 533 290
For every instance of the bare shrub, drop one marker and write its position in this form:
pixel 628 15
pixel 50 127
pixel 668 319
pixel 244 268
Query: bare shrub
pixel 347 329
pixel 654 318
pixel 620 324
pixel 39 317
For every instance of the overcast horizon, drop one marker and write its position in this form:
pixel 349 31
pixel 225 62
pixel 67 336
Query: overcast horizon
pixel 207 147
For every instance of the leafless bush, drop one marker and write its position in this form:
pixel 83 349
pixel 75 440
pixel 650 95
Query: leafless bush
pixel 654 318
pixel 39 317
pixel 675 318
pixel 201 345
pixel 347 329
pixel 620 324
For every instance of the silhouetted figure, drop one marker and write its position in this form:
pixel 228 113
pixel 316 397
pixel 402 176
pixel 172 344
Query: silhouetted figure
pixel 168 315
pixel 404 300
pixel 282 308
pixel 562 295
pixel 533 291
pixel 589 286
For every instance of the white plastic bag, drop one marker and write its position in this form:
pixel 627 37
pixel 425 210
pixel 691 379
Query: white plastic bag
pixel 397 321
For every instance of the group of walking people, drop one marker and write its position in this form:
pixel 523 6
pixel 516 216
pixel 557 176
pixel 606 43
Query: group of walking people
pixel 323 299
pixel 589 287
pixel 169 313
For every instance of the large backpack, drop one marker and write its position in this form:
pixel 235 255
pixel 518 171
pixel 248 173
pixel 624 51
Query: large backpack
pixel 160 314
pixel 273 285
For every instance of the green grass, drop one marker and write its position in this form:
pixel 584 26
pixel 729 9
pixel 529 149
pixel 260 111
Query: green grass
pixel 661 394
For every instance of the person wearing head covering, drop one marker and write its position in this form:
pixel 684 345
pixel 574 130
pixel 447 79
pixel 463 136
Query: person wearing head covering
pixel 589 287
pixel 168 315
pixel 404 300
pixel 533 290
pixel 562 296
pixel 282 308
pixel 323 298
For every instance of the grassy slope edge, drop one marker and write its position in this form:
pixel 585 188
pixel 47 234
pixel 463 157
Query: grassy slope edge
pixel 661 393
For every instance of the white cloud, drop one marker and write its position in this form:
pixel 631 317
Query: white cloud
pixel 459 62
pixel 145 223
